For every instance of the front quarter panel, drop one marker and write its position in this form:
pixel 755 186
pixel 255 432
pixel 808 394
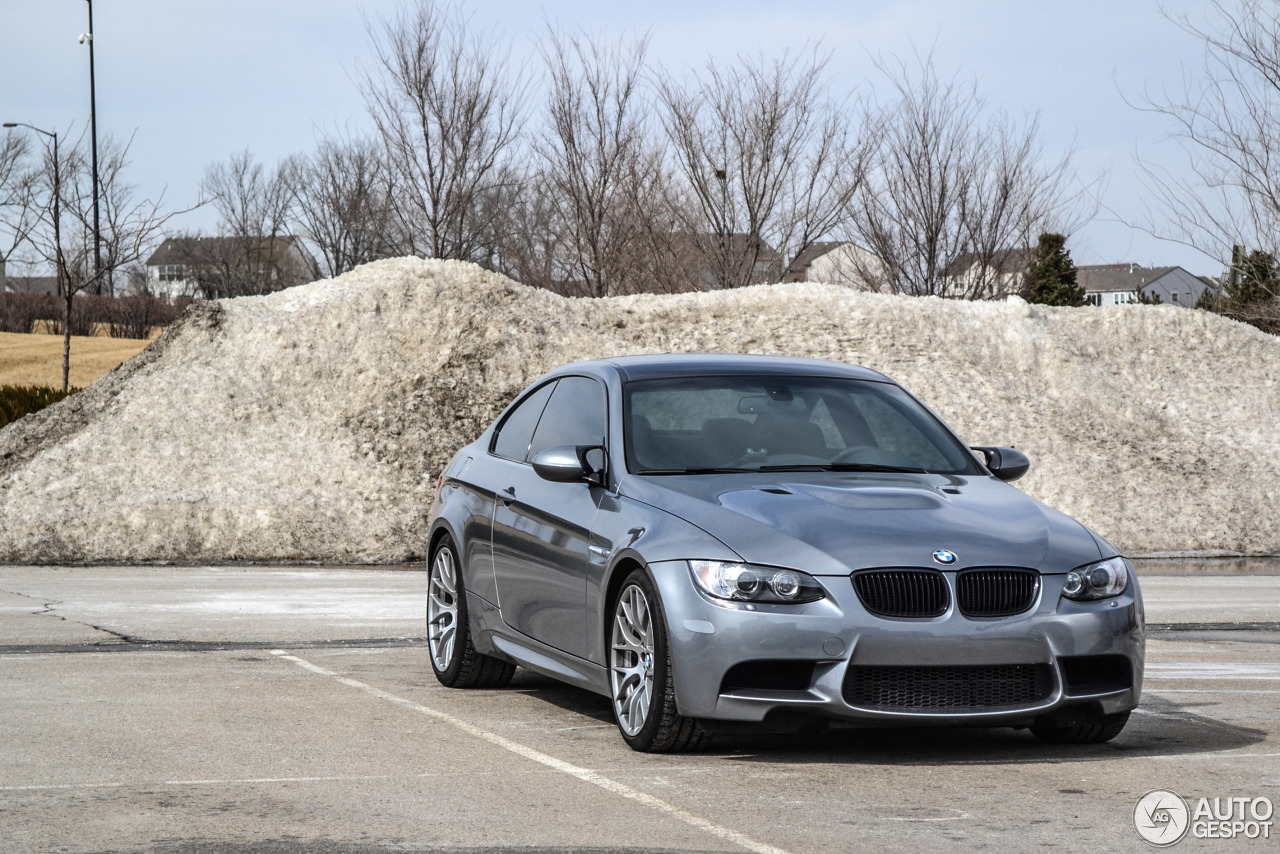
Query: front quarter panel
pixel 629 534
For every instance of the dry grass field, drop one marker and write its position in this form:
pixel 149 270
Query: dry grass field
pixel 37 359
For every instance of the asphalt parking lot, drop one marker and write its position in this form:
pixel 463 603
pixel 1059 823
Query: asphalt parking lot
pixel 250 710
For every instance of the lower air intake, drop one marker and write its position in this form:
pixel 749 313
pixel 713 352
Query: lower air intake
pixel 989 686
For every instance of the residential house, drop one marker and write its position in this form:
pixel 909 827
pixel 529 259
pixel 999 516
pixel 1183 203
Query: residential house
pixel 837 263
pixel 228 266
pixel 31 285
pixel 1116 284
pixel 988 275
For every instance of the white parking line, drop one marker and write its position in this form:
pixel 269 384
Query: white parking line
pixel 584 774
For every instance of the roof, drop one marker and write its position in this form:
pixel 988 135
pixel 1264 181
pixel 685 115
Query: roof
pixel 1118 277
pixel 31 284
pixel 201 250
pixel 811 253
pixel 1002 261
pixel 631 368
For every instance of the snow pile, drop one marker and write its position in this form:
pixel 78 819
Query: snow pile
pixel 311 424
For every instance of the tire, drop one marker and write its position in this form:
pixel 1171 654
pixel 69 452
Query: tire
pixel 1095 730
pixel 453 656
pixel 642 688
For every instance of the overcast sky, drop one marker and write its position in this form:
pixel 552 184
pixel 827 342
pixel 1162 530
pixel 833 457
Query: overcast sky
pixel 194 82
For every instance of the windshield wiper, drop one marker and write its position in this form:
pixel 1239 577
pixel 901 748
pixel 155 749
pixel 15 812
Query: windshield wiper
pixel 694 471
pixel 844 467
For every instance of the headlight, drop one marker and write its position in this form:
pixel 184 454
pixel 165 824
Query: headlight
pixel 1100 580
pixel 742 582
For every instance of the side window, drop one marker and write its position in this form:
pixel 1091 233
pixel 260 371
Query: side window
pixel 516 432
pixel 575 415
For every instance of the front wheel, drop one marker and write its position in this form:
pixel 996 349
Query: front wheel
pixel 643 689
pixel 453 656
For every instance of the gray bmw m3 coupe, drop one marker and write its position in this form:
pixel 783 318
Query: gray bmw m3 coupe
pixel 720 541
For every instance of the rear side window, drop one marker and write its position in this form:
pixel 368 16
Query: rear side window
pixel 574 416
pixel 515 433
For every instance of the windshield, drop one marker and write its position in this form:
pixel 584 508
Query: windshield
pixel 697 425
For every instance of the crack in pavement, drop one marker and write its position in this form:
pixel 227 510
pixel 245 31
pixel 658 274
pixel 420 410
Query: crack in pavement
pixel 46 610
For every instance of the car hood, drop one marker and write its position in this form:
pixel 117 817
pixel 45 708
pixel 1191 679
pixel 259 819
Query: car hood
pixel 832 524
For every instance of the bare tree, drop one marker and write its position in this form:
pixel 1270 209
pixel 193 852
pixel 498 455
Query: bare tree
pixel 595 145
pixel 342 198
pixel 527 242
pixel 765 164
pixel 950 191
pixel 13 151
pixel 448 116
pixel 1227 121
pixel 17 211
pixel 253 251
pixel 128 225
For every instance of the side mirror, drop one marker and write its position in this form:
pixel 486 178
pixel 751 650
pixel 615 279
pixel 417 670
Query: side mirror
pixel 565 463
pixel 1005 463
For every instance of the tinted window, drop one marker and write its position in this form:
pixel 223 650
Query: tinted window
pixel 516 432
pixel 746 423
pixel 895 432
pixel 574 416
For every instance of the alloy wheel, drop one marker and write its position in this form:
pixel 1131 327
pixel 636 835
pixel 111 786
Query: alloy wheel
pixel 442 609
pixel 631 659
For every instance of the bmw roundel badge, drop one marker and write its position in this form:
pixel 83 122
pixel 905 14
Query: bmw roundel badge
pixel 944 557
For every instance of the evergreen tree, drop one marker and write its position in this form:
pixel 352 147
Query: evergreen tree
pixel 1051 277
pixel 1257 282
pixel 1145 299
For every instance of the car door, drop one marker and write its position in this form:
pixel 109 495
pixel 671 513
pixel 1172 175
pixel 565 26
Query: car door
pixel 490 472
pixel 541 529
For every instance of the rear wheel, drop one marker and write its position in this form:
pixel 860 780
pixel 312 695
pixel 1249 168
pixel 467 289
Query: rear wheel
pixel 1093 730
pixel 643 689
pixel 453 656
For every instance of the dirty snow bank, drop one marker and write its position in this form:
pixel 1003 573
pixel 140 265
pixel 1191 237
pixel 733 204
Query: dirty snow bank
pixel 311 424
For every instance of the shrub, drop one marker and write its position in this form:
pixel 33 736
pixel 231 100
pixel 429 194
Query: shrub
pixel 19 400
pixel 120 317
pixel 20 312
pixel 84 313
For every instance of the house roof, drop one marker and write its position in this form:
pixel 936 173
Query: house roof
pixel 1118 277
pixel 201 250
pixel 1014 260
pixel 811 253
pixel 31 284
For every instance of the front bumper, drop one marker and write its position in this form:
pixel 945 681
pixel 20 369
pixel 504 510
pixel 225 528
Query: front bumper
pixel 750 663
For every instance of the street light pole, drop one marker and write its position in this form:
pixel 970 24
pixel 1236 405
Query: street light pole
pixel 93 133
pixel 57 197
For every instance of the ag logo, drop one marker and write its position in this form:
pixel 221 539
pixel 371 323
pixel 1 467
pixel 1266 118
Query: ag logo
pixel 1161 817
pixel 944 557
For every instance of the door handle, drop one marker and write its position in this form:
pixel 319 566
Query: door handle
pixel 506 496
